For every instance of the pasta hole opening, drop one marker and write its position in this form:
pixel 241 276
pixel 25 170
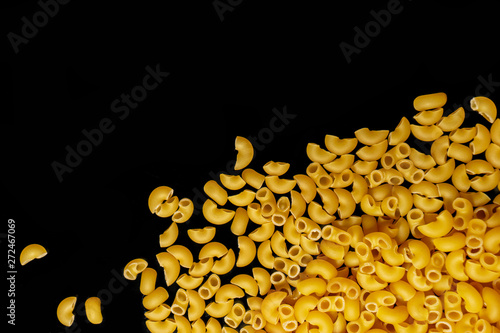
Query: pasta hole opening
pixel 454 315
pixel 351 293
pixel 368 316
pixel 405 165
pixel 177 216
pixel 313 168
pixel 257 322
pixel 390 328
pixel 327 231
pixel 459 203
pixel 416 214
pixel 294 271
pixel 267 209
pixel 388 301
pixel 182 296
pixel 478 227
pixel 474 243
pixel 383 244
pixel 344 238
pixel 482 214
pixel 377 177
pixel 290 326
pixel 339 304
pixel 301 226
pixel 279 264
pixel 376 254
pixel 473 104
pixel 230 322
pixel 407 325
pixel 459 222
pixel 367 269
pixel 433 316
pixel 247 318
pixel 278 220
pixel 294 251
pixel 335 287
pixel 324 305
pixel 238 311
pixel 204 293
pixel 452 298
pixel 354 327
pixel 404 149
pixel 325 181
pixel 395 181
pixel 184 203
pixel 489 259
pixel 362 250
pixel 346 177
pixel 418 176
pixel 388 160
pixel 433 276
pixel 372 307
pixel 305 259
pixel 314 235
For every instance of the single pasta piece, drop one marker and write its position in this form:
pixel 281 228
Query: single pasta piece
pixel 370 137
pixel 65 311
pixel 253 178
pixel 170 235
pixel 426 133
pixel 158 314
pixel 232 182
pixel 245 152
pixel 340 146
pixel 158 197
pixel 148 281
pixel 485 107
pixel 400 133
pixel 276 168
pixel 216 215
pixel 429 101
pixel 133 268
pixel 247 251
pixel 30 252
pixel 318 154
pixel 373 152
pixel 182 254
pixel 429 117
pixel 93 310
pixel 201 236
pixel 171 266
pixel 215 192
pixel 184 212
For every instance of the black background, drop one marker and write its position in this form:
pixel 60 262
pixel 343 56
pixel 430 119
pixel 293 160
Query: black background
pixel 226 77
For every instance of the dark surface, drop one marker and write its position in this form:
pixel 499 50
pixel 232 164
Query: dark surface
pixel 226 77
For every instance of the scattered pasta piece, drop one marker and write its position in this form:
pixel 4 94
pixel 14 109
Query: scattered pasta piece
pixel 30 252
pixel 65 311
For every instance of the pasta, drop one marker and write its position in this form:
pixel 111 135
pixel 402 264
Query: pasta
pixel 376 235
pixel 30 252
pixel 65 311
pixel 245 152
pixel 93 310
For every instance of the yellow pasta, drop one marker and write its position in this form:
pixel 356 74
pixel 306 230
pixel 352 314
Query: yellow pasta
pixel 253 178
pixel 232 182
pixel 165 326
pixel 148 281
pixel 189 282
pixel 429 117
pixel 485 107
pixel 244 198
pixel 400 133
pixel 201 268
pixel 426 133
pixel 133 268
pixel 155 298
pixel 453 121
pixel 201 236
pixel 169 236
pixel 279 185
pixel 65 311
pixel 184 212
pixel 245 152
pixel 225 264
pixel 429 101
pixel 373 152
pixel 318 154
pixel 219 310
pixel 370 137
pixel 421 160
pixel 340 146
pixel 340 164
pixel 460 152
pixel 171 266
pixel 216 215
pixel 439 149
pixel 30 252
pixel 158 314
pixel 247 251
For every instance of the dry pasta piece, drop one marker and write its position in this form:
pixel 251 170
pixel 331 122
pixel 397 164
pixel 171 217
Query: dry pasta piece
pixel 65 311
pixel 400 133
pixel 245 152
pixel 232 182
pixel 93 310
pixel 215 192
pixel 279 185
pixel 426 133
pixel 201 236
pixel 485 107
pixel 429 101
pixel 169 236
pixel 30 252
pixel 318 154
pixel 429 117
pixel 216 215
pixel 340 146
pixel 276 168
pixel 373 152
pixel 148 281
pixel 253 178
pixel 453 121
pixel 370 137
pixel 133 268
pixel 184 212
pixel 171 266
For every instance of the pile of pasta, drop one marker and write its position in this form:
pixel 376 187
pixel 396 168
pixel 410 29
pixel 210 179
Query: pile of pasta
pixel 375 236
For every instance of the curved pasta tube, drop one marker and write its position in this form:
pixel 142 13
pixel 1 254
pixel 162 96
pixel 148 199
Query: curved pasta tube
pixel 337 235
pixel 232 182
pixel 409 171
pixel 212 249
pixel 452 306
pixel 359 188
pixel 228 292
pixel 181 302
pixel 316 172
pixel 182 254
pixel 421 160
pixel 235 316
pixel 158 314
pixel 478 273
pixel 189 282
pixel 253 178
pixel 168 207
pixel 340 146
pixel 219 310
pixel 158 196
pixel 93 310
pixel 216 215
pixel 245 152
pixel 321 267
pixel 460 152
pixel 307 187
pixel 225 264
pixel 270 304
pixel 361 167
pixel 148 281
pixel 276 168
pixel 320 319
pixel 278 245
pixel 201 236
pixel 330 249
pixel 392 256
pixel 373 152
pixel 455 265
pixel 169 236
pixel 426 133
pixel 439 149
pixel 486 183
pixel 472 298
pixel 429 117
pixel 485 107
pixel 394 315
pixel 184 212
pixel 429 101
pixel 254 212
pixel 400 133
pixel 303 306
pixel 133 268
pixel 340 164
pixel 370 282
pixel 347 205
pixel 247 251
pixel 453 242
pixel 491 311
pixel 343 179
pixel 453 121
pixel 417 253
pixel 30 252
pixel 400 151
pixel 318 154
pixel 196 305
pixel 263 279
pixel 464 134
pixel 201 268
pixel 312 285
pixel 491 240
pixel 389 273
pixel 460 179
pixel 263 232
pixel 247 283
pixel 370 206
pixel 370 137
pixel 438 228
pixel 209 287
pixel 493 155
pixel 170 265
pixel 240 222
pixel 166 326
pixel 416 308
pixel 427 205
pixel 65 311
pixel 215 192
pixel 402 290
pixel 244 198
pixel 279 185
pixel 291 234
pixel 155 298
